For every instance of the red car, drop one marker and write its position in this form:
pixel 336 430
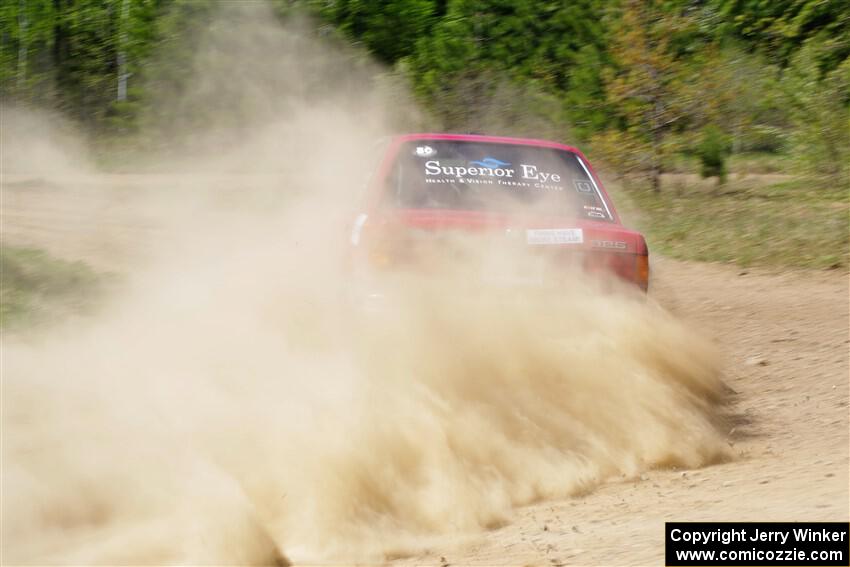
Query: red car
pixel 528 199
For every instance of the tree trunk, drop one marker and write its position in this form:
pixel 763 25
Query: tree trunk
pixel 60 46
pixel 121 58
pixel 23 41
pixel 656 167
pixel 657 139
pixel 656 178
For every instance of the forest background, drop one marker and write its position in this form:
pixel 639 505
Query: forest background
pixel 724 123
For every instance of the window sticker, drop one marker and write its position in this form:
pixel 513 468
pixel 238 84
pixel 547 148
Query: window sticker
pixel 598 193
pixel 594 212
pixel 583 186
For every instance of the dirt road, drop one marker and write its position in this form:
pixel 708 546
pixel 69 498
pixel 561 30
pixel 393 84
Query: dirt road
pixel 785 339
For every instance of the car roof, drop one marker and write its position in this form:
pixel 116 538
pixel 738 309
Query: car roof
pixel 486 139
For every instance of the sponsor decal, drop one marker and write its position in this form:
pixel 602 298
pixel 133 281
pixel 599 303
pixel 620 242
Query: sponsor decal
pixel 434 167
pixel 610 244
pixel 532 172
pixel 554 236
pixel 583 186
pixel 594 212
pixel 490 170
pixel 492 163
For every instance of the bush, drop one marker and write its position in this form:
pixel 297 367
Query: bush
pixel 713 150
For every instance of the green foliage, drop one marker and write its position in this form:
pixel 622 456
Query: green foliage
pixel 586 106
pixel 747 100
pixel 69 54
pixel 646 86
pixel 26 31
pixel 620 150
pixel 819 108
pixel 639 80
pixel 545 51
pixel 780 27
pixel 388 28
pixel 35 285
pixel 713 150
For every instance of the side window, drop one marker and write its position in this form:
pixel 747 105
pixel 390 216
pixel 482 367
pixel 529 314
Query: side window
pixel 376 155
pixel 392 186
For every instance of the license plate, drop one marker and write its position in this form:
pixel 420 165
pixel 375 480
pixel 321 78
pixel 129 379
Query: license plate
pixel 538 236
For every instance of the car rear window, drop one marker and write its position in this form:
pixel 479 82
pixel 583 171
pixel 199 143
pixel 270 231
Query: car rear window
pixel 442 174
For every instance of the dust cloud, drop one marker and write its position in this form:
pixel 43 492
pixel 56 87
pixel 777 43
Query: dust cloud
pixel 233 404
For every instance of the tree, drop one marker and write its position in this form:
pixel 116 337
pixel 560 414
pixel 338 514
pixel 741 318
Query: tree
pixel 713 149
pixel 388 28
pixel 25 41
pixel 779 28
pixel 645 86
pixel 516 58
pixel 819 106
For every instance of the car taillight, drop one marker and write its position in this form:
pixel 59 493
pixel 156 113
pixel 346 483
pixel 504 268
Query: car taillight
pixel 630 267
pixel 380 257
pixel 642 271
pixel 385 246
